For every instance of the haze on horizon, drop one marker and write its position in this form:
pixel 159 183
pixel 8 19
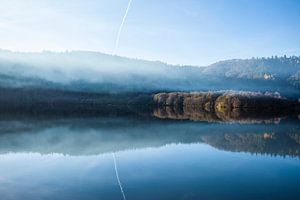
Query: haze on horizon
pixel 178 32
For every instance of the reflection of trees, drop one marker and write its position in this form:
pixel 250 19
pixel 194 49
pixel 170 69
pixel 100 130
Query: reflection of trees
pixel 88 136
pixel 185 113
pixel 235 115
pixel 275 144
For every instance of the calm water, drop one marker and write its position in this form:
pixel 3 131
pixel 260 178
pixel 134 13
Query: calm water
pixel 154 159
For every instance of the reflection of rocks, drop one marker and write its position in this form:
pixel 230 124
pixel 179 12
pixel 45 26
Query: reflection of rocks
pixel 226 106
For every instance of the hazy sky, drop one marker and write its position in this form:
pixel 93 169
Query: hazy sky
pixel 197 32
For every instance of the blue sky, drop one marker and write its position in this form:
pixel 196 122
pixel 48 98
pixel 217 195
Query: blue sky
pixel 197 32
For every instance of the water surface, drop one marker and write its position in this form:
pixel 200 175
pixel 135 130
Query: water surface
pixel 72 158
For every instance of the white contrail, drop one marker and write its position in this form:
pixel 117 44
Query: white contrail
pixel 117 175
pixel 121 27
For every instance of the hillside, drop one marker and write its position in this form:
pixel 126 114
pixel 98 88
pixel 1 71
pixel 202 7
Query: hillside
pixel 96 72
pixel 281 74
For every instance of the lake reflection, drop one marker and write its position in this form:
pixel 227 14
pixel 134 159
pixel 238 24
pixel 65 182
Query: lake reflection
pixel 53 158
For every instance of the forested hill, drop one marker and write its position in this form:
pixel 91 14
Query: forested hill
pixel 286 69
pixel 96 72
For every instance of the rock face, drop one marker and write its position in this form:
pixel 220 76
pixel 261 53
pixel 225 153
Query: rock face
pixel 222 106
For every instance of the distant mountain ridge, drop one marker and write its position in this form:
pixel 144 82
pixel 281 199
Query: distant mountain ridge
pixel 257 68
pixel 97 72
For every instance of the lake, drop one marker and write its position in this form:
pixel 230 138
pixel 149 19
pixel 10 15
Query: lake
pixel 135 157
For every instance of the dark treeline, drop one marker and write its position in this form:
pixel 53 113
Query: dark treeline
pixel 32 102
